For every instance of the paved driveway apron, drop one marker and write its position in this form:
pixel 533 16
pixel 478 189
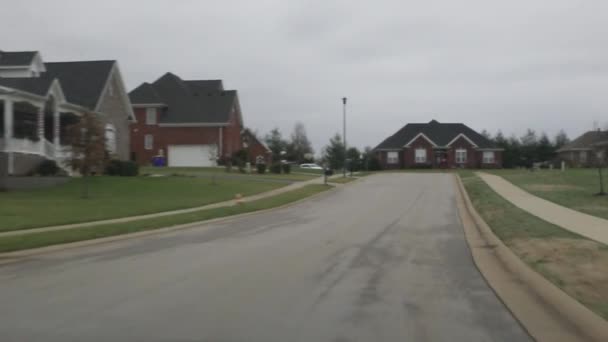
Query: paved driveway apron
pixel 381 260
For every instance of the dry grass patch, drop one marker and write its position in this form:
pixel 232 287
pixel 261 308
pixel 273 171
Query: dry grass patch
pixel 553 187
pixel 577 266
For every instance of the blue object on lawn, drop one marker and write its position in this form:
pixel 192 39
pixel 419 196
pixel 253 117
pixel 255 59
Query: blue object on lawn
pixel 158 161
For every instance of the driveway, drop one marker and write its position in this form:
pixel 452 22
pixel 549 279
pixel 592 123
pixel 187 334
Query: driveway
pixel 383 259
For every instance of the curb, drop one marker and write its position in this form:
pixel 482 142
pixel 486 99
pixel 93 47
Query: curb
pixel 546 312
pixel 16 256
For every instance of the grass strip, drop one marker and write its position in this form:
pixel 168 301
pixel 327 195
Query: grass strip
pixel 35 240
pixel 341 180
pixel 506 220
pixel 564 258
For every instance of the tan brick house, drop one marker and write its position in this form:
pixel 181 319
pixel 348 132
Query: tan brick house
pixel 438 145
pixel 586 150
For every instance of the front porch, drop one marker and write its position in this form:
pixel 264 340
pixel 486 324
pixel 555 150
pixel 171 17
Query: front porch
pixel 31 127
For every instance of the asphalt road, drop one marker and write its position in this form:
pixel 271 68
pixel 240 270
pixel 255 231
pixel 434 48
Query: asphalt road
pixel 383 259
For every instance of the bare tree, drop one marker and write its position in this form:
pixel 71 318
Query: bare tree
pixel 86 139
pixel 600 158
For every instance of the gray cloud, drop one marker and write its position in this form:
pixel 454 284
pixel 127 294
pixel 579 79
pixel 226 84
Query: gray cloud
pixel 505 65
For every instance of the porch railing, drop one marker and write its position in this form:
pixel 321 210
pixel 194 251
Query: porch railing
pixel 49 149
pixel 22 146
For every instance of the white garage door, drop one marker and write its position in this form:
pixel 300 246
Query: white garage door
pixel 191 155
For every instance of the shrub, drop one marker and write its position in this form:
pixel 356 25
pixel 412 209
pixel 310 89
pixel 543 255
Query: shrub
pixel 374 164
pixel 261 168
pixel 48 168
pixel 275 168
pixel 286 168
pixel 122 168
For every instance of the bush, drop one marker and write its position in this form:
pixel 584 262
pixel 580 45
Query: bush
pixel 261 168
pixel 286 168
pixel 122 168
pixel 374 164
pixel 275 168
pixel 48 168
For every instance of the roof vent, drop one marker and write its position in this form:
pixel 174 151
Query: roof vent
pixel 433 121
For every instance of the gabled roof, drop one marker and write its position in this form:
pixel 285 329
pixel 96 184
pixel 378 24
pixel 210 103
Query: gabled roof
pixel 586 141
pixel 145 94
pixel 441 134
pixel 83 82
pixel 17 58
pixel 36 86
pixel 187 101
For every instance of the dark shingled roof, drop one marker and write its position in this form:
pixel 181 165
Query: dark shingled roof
pixel 205 85
pixel 36 86
pixel 83 81
pixel 16 58
pixel 588 140
pixel 440 133
pixel 145 94
pixel 187 101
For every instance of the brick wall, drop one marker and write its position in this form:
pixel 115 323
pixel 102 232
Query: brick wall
pixel 410 152
pixel 473 157
pixel 165 136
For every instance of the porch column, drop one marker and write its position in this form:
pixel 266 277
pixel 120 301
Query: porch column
pixel 8 133
pixel 56 123
pixel 8 119
pixel 41 137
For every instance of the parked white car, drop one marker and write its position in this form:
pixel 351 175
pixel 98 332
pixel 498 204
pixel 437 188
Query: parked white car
pixel 311 166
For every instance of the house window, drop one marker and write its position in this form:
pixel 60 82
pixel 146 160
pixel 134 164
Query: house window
pixel 392 157
pixel 461 156
pixel 420 155
pixel 148 141
pixel 583 157
pixel 150 116
pixel 110 139
pixel 488 157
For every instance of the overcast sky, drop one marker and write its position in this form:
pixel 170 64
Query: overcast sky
pixel 505 65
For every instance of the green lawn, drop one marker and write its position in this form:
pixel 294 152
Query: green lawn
pixel 14 243
pixel 507 221
pixel 113 197
pixel 221 172
pixel 298 169
pixel 573 188
pixel 341 180
pixel 568 260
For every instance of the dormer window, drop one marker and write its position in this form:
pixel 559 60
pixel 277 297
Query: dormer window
pixel 150 116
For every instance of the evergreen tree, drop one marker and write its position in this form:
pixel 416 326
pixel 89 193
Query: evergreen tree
pixel 334 152
pixel 276 144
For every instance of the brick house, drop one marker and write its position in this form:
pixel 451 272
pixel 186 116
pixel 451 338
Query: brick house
pixel 191 122
pixel 257 150
pixel 39 100
pixel 585 150
pixel 438 145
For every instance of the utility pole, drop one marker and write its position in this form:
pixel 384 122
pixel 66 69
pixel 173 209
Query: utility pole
pixel 344 133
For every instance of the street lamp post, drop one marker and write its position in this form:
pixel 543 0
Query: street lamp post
pixel 344 132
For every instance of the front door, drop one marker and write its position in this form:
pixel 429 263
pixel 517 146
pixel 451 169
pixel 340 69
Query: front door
pixel 441 158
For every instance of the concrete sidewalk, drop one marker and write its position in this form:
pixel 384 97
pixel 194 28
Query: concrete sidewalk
pixel 271 193
pixel 592 227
